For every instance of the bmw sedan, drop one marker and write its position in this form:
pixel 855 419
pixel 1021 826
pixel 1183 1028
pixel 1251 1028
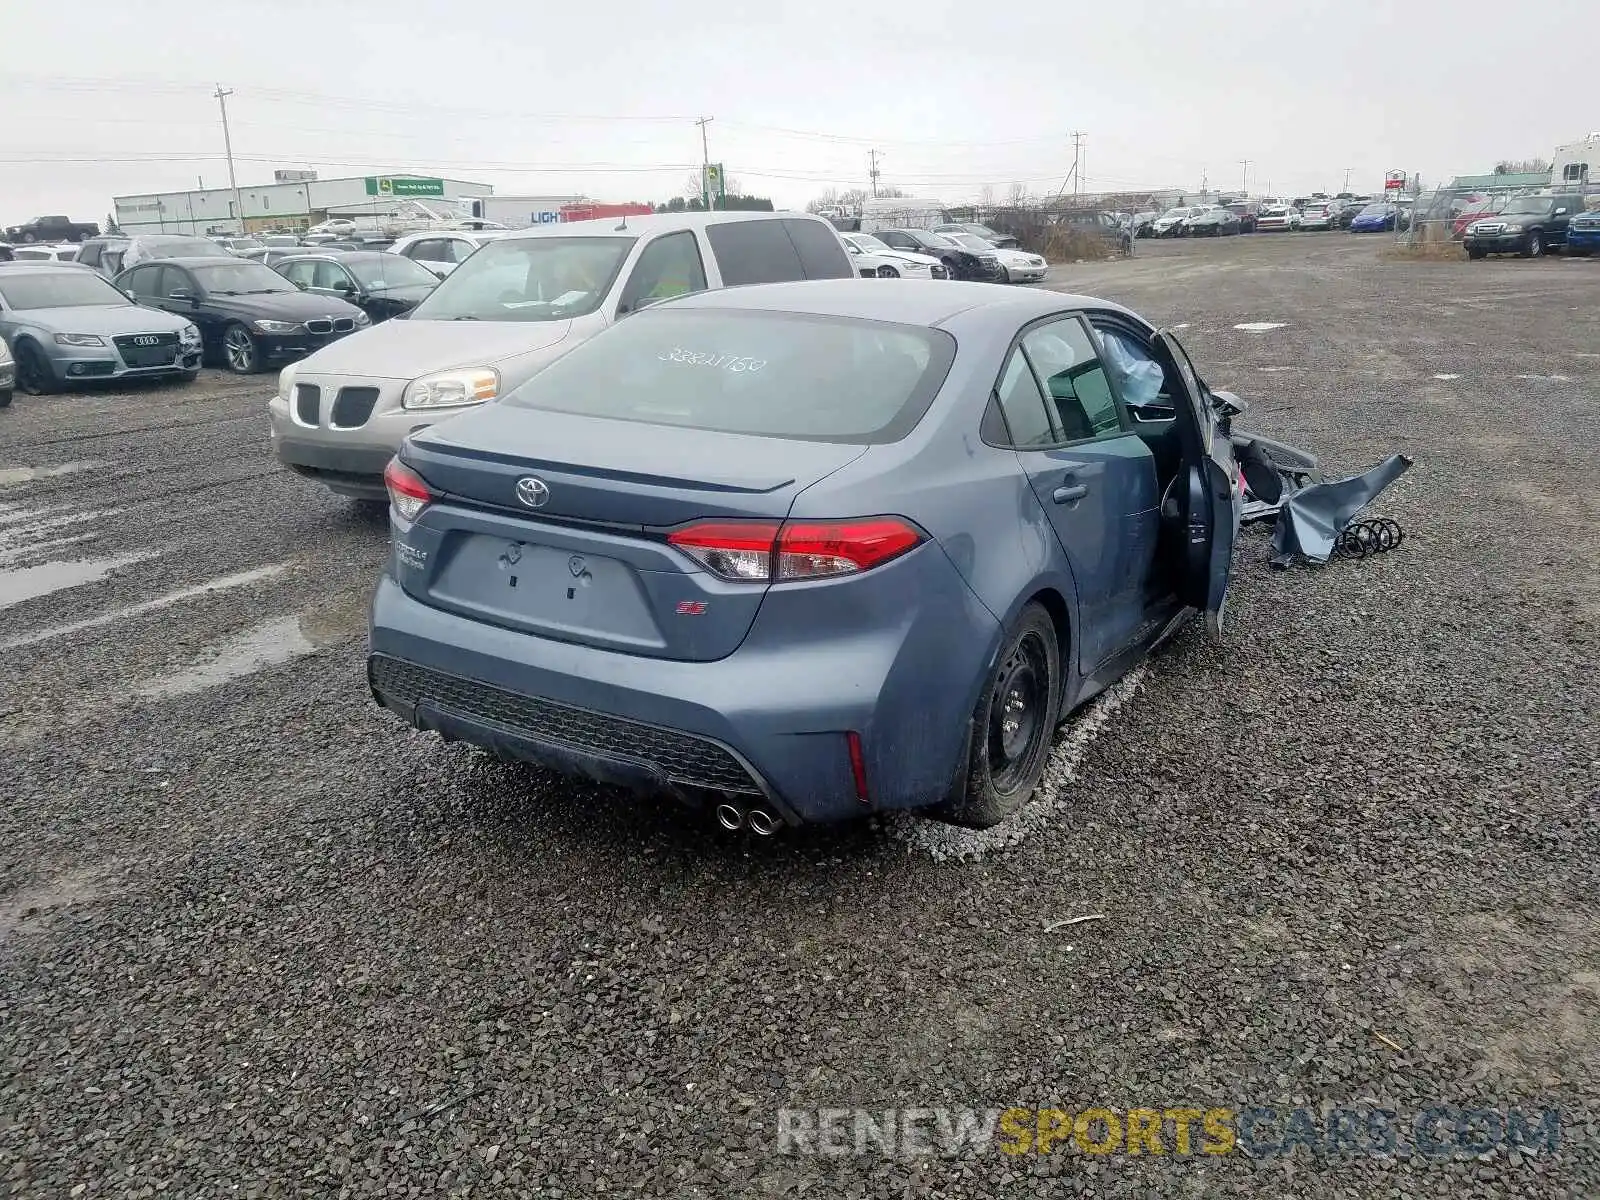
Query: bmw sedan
pixel 803 552
pixel 66 324
pixel 380 284
pixel 249 315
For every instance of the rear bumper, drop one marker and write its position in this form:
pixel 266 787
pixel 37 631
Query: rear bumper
pixel 768 720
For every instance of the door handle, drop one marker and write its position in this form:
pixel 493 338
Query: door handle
pixel 1066 495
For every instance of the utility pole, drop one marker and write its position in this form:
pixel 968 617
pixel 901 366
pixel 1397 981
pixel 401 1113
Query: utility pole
pixel 705 162
pixel 1245 178
pixel 1203 182
pixel 1347 171
pixel 872 171
pixel 1078 138
pixel 222 95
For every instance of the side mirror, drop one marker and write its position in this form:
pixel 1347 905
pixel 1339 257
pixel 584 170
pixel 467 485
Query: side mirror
pixel 1561 212
pixel 344 287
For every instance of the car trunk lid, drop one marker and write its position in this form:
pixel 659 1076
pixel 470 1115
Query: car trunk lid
pixel 581 554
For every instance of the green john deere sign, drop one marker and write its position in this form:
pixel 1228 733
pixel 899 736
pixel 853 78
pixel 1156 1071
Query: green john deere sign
pixel 383 185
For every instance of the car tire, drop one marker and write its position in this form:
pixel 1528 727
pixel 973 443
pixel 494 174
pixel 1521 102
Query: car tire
pixel 888 273
pixel 240 354
pixel 5 398
pixel 30 237
pixel 33 374
pixel 950 269
pixel 1013 727
pixel 1534 246
pixel 1475 254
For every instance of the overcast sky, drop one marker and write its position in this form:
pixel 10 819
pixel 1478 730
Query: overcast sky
pixel 599 98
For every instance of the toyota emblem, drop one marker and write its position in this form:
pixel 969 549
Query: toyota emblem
pixel 146 340
pixel 533 491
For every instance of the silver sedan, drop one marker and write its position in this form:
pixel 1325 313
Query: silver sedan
pixel 67 325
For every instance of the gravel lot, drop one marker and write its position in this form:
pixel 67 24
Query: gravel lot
pixel 256 938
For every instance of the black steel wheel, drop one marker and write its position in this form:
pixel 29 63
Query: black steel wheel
pixel 1013 725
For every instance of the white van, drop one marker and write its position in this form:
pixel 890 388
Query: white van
pixel 903 212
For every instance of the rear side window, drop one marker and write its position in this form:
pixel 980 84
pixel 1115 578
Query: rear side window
pixel 1028 425
pixel 821 254
pixel 754 252
pixel 1069 371
pixel 770 374
pixel 89 253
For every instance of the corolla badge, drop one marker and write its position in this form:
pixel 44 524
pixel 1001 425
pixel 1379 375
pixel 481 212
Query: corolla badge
pixel 533 491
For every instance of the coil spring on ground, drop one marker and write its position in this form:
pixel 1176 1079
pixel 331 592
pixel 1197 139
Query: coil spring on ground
pixel 1375 535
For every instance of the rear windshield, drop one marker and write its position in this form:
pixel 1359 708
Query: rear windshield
pixel 770 374
pixel 528 279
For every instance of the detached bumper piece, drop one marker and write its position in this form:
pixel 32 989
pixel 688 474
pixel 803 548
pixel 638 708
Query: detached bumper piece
pixel 1314 519
pixel 572 740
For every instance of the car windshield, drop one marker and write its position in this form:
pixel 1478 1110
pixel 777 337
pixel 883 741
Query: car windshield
pixel 869 244
pixel 1529 204
pixel 528 279
pixel 1315 208
pixel 241 279
pixel 375 272
pixel 244 243
pixel 75 288
pixel 769 374
pixel 983 231
pixel 969 241
pixel 1374 210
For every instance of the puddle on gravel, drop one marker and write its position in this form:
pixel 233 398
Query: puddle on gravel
pixel 32 906
pixel 14 475
pixel 277 641
pixel 221 584
pixel 28 583
pixel 269 644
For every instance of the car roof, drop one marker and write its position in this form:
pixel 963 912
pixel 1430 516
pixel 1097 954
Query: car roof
pixel 340 255
pixel 24 265
pixel 654 223
pixel 905 301
pixel 197 260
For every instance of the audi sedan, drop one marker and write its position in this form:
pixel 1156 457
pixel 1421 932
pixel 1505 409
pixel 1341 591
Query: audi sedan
pixel 802 552
pixel 66 324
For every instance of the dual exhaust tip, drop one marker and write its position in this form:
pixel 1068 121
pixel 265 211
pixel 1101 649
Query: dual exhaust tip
pixel 760 821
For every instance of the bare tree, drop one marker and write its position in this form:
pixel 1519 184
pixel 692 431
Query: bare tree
pixel 694 186
pixel 986 196
pixel 829 199
pixel 1519 166
pixel 1017 195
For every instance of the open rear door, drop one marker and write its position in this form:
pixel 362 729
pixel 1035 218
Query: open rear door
pixel 1206 493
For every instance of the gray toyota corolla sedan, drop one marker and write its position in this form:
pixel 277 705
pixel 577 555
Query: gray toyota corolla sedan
pixel 65 325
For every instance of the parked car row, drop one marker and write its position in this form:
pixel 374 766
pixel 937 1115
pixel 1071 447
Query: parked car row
pixel 1534 225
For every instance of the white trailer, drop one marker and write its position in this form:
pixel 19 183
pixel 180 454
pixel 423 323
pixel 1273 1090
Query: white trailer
pixel 1576 164
pixel 521 212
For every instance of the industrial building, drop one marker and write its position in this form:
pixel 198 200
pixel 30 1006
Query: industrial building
pixel 296 201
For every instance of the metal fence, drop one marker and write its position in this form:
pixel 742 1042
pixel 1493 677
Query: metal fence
pixel 1440 217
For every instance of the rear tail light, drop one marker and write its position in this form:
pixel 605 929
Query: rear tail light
pixel 769 552
pixel 407 492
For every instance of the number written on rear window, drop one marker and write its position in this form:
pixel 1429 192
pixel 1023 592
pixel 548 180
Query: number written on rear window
pixel 707 358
